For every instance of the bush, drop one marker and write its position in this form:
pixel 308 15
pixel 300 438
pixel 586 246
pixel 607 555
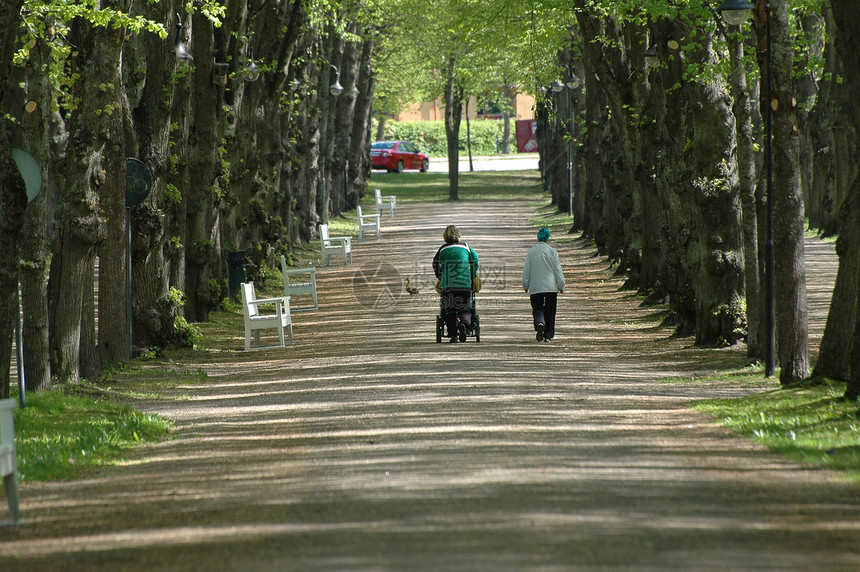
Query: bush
pixel 429 136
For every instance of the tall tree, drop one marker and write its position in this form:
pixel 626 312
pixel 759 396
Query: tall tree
pixel 13 200
pixel 776 59
pixel 847 20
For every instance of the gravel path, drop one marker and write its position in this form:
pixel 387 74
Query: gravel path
pixel 367 446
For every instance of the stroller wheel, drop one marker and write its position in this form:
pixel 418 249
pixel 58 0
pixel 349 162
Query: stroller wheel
pixel 477 329
pixel 439 327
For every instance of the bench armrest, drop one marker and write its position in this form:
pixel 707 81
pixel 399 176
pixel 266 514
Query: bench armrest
pixel 310 270
pixel 282 303
pixel 346 239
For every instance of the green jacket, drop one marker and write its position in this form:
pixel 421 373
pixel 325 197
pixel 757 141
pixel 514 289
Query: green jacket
pixel 456 265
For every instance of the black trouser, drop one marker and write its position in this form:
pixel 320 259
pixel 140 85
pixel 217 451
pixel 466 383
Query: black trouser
pixel 457 304
pixel 544 306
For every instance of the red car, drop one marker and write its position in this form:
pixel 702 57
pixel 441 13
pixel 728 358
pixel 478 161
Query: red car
pixel 397 156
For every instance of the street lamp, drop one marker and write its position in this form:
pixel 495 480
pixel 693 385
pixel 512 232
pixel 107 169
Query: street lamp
pixel 181 53
pixel 251 73
pixel 557 86
pixel 335 88
pixel 651 55
pixel 736 12
pixel 572 83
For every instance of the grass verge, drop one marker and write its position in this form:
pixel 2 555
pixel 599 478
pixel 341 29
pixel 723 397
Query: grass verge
pixel 473 186
pixel 61 433
pixel 811 423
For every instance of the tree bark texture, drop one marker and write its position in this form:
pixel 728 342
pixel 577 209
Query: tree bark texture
pixel 792 338
pixel 204 188
pixel 847 20
pixel 13 201
pixel 157 241
pixel 113 340
pixel 36 139
pixel 747 179
pixel 453 115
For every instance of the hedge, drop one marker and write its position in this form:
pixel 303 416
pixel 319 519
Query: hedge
pixel 429 136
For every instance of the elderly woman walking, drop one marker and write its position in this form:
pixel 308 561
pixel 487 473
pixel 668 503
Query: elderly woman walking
pixel 544 281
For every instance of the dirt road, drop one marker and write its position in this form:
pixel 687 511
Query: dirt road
pixel 368 446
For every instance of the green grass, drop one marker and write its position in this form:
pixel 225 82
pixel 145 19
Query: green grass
pixel 559 224
pixel 477 186
pixel 60 434
pixel 811 423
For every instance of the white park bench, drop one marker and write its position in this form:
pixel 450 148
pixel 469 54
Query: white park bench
pixel 255 320
pixel 385 201
pixel 367 222
pixel 8 459
pixel 297 282
pixel 330 245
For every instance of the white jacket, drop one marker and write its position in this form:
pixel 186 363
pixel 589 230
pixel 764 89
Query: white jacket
pixel 542 270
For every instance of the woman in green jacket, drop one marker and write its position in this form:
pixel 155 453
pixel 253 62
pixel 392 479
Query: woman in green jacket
pixel 456 265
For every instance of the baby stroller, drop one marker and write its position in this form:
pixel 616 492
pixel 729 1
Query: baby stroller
pixel 474 332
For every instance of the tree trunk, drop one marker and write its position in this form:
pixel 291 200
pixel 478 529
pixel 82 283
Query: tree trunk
pixel 326 104
pixel 34 239
pixel 157 238
pixel 203 246
pixel 113 341
pixel 786 194
pixel 359 162
pixel 747 191
pixel 343 121
pixel 13 201
pixel 92 165
pixel 507 111
pixel 469 136
pixel 453 116
pixel 833 359
pixel 847 20
pixel 590 188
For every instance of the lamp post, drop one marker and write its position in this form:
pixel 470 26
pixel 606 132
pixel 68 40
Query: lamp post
pixel 324 194
pixel 572 83
pixel 735 13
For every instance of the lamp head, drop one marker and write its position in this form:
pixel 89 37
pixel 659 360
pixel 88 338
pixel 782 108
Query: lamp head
pixel 335 88
pixel 181 53
pixel 651 56
pixel 251 72
pixel 735 12
pixel 572 81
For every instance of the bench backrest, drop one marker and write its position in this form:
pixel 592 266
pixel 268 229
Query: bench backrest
pixel 373 218
pixel 324 235
pixel 378 195
pixel 249 295
pixel 7 421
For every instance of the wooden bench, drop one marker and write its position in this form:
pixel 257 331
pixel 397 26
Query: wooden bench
pixel 368 222
pixel 330 245
pixel 256 321
pixel 305 284
pixel 8 459
pixel 385 201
